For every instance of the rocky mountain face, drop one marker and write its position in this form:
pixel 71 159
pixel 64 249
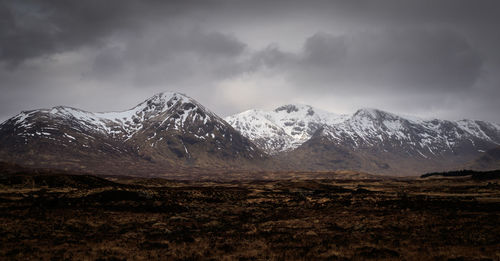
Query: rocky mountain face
pixel 172 133
pixel 368 140
pixel 283 129
pixel 167 132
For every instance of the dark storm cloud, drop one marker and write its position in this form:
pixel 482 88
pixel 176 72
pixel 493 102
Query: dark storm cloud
pixel 166 48
pixel 30 29
pixel 33 28
pixel 403 55
pixel 417 59
pixel 411 60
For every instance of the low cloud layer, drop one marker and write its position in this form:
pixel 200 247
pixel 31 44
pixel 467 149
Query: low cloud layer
pixel 412 57
pixel 412 60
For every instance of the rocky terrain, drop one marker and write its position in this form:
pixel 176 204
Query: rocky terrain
pixel 369 140
pixel 167 133
pixel 171 134
pixel 59 216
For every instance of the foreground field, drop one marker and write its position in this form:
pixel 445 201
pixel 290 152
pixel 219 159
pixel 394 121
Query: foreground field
pixel 53 217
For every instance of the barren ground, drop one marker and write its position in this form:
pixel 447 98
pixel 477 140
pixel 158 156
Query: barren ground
pixel 57 217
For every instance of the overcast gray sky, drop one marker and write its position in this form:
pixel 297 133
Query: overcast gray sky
pixel 424 57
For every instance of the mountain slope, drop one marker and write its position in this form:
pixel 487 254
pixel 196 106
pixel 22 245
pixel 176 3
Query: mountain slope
pixel 171 133
pixel 369 128
pixel 284 128
pixel 489 160
pixel 368 140
pixel 167 132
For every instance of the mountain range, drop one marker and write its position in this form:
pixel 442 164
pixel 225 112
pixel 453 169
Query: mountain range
pixel 171 132
pixel 369 140
pixel 168 132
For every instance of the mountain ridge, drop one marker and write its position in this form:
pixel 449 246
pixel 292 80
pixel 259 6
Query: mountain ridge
pixel 386 141
pixel 164 133
pixel 171 132
pixel 362 123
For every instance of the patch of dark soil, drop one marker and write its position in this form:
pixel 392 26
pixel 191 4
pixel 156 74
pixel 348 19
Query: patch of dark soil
pixel 55 181
pixel 475 175
pixel 376 253
pixel 117 195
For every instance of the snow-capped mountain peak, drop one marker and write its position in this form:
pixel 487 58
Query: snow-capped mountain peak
pixel 172 109
pixel 168 129
pixel 283 128
pixel 291 125
pixel 295 108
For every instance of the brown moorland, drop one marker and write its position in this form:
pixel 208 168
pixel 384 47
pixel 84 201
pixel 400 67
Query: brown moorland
pixel 56 216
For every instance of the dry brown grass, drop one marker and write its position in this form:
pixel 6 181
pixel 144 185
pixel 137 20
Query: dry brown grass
pixel 145 219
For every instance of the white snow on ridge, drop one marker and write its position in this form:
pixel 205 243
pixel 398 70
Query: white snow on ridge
pixel 295 124
pixel 124 123
pixel 284 128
